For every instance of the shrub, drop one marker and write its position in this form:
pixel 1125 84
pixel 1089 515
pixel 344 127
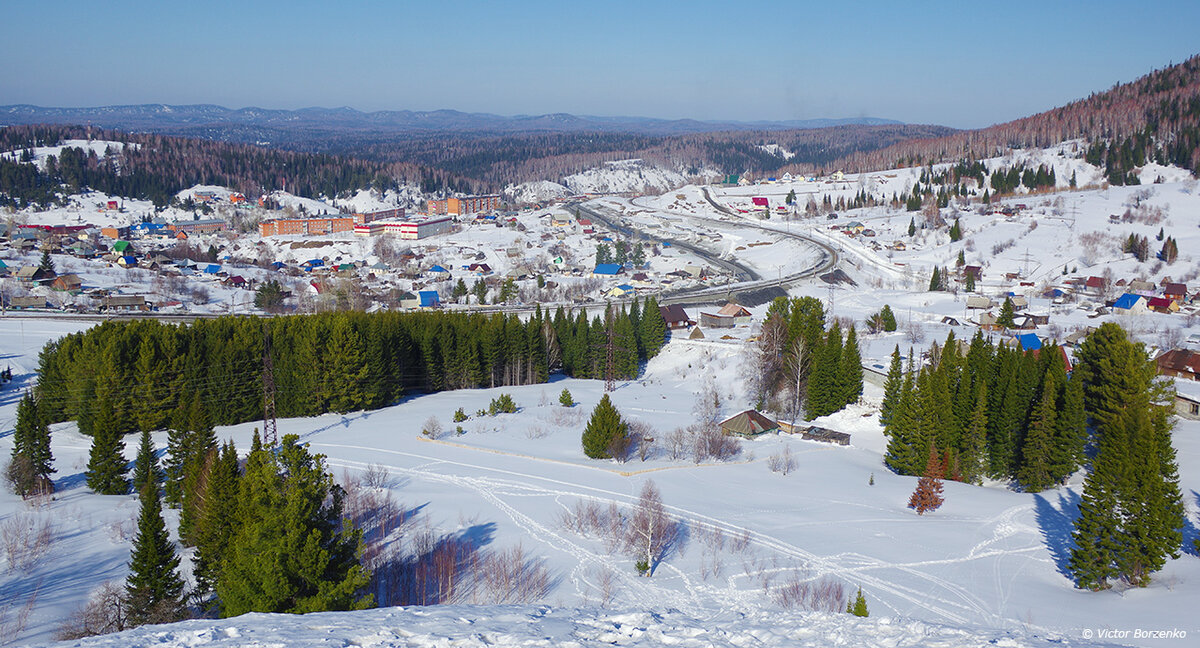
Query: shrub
pixel 502 404
pixel 459 415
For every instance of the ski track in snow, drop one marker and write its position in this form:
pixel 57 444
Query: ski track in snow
pixel 949 600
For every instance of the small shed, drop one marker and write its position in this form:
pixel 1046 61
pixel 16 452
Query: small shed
pixel 696 334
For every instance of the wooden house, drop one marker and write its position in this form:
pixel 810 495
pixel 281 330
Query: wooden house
pixel 675 316
pixel 1179 363
pixel 749 423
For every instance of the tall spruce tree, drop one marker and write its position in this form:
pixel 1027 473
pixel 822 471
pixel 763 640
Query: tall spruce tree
pixel 1035 471
pixel 891 388
pixel 850 373
pixel 1131 511
pixel 291 551
pixel 217 516
pixel 653 329
pixel 145 467
pixel 106 466
pixel 153 589
pixel 32 462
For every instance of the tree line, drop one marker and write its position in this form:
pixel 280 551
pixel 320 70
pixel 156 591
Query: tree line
pixel 141 375
pixel 798 367
pixel 156 167
pixel 989 410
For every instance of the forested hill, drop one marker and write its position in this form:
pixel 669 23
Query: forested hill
pixel 156 167
pixel 1155 118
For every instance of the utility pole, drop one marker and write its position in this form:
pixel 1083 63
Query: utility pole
pixel 610 352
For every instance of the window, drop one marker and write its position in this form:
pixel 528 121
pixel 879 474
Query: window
pixel 1195 407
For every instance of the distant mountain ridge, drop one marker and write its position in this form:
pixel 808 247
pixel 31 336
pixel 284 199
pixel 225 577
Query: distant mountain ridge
pixel 188 118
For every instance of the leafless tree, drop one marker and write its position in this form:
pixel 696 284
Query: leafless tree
pixel 104 612
pixel 651 533
pixel 782 462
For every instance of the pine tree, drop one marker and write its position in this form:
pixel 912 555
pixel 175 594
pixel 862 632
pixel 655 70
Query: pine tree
pixel 935 280
pixel 851 375
pixel 1131 511
pixel 32 462
pixel 605 426
pixel 970 287
pixel 974 443
pixel 889 318
pixel 912 227
pixel 1035 471
pixel 928 495
pixel 200 442
pixel 291 551
pixel 859 607
pixel 106 467
pixel 1007 317
pixel 153 589
pixel 891 388
pixel 46 265
pixel 955 232
pixel 653 328
pixel 1070 436
pixel 145 467
pixel 217 515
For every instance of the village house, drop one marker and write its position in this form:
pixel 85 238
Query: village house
pixel 1130 304
pixel 1179 363
pixel 675 316
pixel 749 423
pixel 729 316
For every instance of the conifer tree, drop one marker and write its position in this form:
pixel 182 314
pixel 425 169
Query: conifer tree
pixel 145 467
pixel 903 455
pixel 935 280
pixel 199 443
pixel 851 375
pixel 970 285
pixel 653 328
pixel 346 374
pixel 153 589
pixel 912 227
pixel 1035 472
pixel 1007 317
pixel 106 466
pixel 859 607
pixel 602 429
pixel 32 462
pixel 891 388
pixel 291 551
pixel 974 442
pixel 955 232
pixel 1070 435
pixel 888 317
pixel 217 516
pixel 1131 511
pixel 928 495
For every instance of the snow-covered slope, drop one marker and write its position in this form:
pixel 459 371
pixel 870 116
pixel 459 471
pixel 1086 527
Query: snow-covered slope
pixel 552 627
pixel 624 176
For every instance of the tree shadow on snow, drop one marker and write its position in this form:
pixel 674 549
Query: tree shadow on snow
pixel 1191 535
pixel 1057 523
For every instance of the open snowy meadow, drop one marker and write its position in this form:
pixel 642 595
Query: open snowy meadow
pixel 986 568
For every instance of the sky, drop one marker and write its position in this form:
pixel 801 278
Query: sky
pixel 960 64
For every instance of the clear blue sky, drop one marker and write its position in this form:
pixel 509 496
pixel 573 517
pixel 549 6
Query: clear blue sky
pixel 960 63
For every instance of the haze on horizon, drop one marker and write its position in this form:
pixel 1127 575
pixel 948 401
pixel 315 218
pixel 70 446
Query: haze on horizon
pixel 965 65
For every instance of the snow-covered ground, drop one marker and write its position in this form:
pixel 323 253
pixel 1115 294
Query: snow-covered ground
pixel 989 563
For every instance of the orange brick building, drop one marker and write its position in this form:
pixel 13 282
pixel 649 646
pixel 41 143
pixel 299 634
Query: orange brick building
pixel 465 204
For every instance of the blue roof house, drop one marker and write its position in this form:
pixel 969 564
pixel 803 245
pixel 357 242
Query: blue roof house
pixel 429 299
pixel 438 268
pixel 1131 304
pixel 212 269
pixel 1029 341
pixel 607 269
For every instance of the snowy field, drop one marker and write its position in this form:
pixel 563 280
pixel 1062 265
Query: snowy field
pixel 988 564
